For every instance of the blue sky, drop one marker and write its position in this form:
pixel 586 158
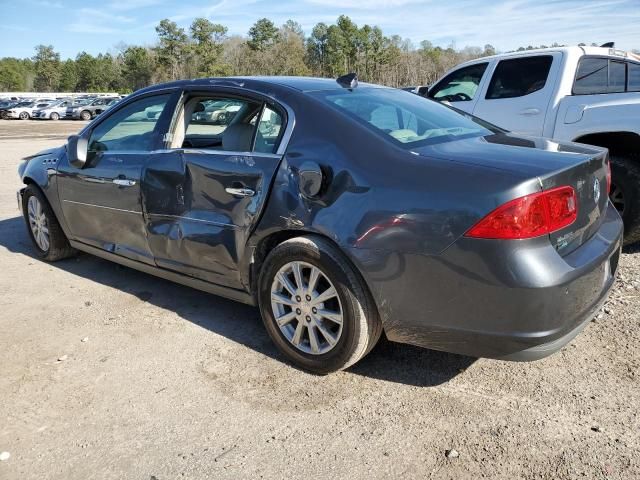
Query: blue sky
pixel 75 25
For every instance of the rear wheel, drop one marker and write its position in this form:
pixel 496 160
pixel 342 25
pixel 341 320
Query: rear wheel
pixel 85 115
pixel 316 307
pixel 50 242
pixel 625 193
pixel 24 116
pixel 54 116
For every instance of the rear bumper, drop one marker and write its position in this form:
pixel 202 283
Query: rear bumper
pixel 512 300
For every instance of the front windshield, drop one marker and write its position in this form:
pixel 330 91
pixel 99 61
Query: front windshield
pixel 406 119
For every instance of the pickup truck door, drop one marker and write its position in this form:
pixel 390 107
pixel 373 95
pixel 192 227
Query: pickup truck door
pixel 519 92
pixel 204 193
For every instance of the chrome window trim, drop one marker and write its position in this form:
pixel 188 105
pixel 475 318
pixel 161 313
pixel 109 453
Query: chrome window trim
pixel 192 219
pixel 224 153
pixel 240 89
pixel 102 206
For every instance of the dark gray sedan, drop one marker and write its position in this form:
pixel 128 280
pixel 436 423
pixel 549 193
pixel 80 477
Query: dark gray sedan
pixel 341 211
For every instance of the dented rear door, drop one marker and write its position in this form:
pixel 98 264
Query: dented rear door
pixel 201 206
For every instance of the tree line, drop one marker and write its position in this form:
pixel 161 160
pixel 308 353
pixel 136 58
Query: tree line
pixel 206 49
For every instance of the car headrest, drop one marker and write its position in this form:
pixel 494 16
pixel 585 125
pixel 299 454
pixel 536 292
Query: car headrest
pixel 199 108
pixel 237 137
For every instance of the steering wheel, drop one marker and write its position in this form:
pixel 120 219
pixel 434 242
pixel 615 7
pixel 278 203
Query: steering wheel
pixel 460 97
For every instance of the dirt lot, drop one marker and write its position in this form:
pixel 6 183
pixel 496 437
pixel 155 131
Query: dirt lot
pixel 173 383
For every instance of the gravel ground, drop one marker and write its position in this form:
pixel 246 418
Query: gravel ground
pixel 107 373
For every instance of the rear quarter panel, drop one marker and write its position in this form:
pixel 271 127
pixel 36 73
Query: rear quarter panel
pixel 580 115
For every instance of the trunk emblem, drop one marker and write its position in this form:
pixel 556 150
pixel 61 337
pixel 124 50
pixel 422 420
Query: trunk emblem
pixel 596 190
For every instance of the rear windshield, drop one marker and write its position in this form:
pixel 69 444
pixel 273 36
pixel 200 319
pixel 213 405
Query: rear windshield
pixel 406 119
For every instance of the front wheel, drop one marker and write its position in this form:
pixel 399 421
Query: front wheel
pixel 54 116
pixel 23 116
pixel 49 240
pixel 625 193
pixel 316 307
pixel 85 115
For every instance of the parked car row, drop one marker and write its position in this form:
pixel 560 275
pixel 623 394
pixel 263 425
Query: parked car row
pixel 76 108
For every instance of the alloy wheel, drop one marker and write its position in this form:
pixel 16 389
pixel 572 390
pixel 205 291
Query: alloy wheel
pixel 307 308
pixel 38 223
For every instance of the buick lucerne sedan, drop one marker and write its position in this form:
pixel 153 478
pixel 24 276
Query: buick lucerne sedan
pixel 342 211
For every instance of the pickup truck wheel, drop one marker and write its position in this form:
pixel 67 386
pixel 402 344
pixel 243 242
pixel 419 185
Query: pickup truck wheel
pixel 49 240
pixel 315 306
pixel 625 193
pixel 85 115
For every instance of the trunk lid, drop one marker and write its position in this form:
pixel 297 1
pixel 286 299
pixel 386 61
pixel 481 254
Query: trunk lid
pixel 555 164
pixel 589 180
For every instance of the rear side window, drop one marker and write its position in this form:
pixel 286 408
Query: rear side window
pixel 592 76
pixel 519 77
pixel 600 75
pixel 634 77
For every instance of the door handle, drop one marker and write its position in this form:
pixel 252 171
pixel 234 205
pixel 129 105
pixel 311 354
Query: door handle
pixel 530 111
pixel 240 192
pixel 124 182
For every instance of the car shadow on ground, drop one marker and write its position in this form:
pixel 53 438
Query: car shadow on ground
pixel 241 323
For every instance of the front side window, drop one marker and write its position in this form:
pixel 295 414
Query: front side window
pixel 461 85
pixel 518 77
pixel 634 77
pixel 403 118
pixel 130 128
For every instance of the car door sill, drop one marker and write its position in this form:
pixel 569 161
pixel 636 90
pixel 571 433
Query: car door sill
pixel 230 293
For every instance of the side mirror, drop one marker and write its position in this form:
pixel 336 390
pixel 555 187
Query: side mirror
pixel 77 148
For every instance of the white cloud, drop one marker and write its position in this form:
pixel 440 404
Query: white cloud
pixel 362 4
pixel 92 15
pixel 125 5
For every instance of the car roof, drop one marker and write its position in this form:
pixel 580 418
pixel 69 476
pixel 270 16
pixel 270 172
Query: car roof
pixel 569 51
pixel 302 84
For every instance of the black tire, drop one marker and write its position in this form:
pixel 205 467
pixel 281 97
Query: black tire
pixel 361 325
pixel 24 116
pixel 625 173
pixel 54 116
pixel 85 115
pixel 59 247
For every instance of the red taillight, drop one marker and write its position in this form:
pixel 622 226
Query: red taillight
pixel 608 176
pixel 529 216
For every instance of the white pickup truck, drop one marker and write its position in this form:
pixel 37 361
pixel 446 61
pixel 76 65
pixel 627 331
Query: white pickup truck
pixel 583 94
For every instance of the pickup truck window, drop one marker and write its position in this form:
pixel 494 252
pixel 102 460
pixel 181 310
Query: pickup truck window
pixel 600 75
pixel 461 85
pixel 617 77
pixel 634 77
pixel 518 77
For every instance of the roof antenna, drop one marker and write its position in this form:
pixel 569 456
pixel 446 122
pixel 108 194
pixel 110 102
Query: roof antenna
pixel 608 45
pixel 350 80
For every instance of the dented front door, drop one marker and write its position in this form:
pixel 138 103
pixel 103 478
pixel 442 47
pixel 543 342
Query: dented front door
pixel 201 207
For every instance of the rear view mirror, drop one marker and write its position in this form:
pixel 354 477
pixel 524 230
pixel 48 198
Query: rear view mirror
pixel 77 148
